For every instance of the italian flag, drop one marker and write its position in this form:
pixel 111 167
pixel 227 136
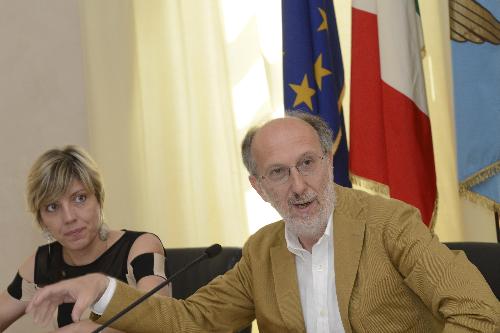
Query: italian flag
pixel 390 133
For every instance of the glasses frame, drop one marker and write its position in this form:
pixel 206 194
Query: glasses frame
pixel 286 178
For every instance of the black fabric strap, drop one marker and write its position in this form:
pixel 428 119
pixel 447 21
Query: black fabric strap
pixel 143 265
pixel 15 288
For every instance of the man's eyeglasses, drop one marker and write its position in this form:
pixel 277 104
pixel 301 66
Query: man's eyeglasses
pixel 306 166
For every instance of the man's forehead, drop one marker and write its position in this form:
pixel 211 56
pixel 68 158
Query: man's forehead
pixel 282 128
pixel 282 139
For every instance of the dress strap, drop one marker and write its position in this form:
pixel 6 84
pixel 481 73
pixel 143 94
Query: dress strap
pixel 21 289
pixel 144 265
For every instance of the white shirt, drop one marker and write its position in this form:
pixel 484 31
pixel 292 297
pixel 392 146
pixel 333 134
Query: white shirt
pixel 100 306
pixel 316 278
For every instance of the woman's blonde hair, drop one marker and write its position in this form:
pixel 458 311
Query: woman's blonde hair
pixel 52 173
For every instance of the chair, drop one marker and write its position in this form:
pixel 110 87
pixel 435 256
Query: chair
pixel 486 257
pixel 202 273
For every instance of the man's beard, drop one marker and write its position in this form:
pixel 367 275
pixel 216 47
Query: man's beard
pixel 311 227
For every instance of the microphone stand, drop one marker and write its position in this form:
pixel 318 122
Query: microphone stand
pixel 210 252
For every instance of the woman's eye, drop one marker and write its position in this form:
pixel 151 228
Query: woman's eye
pixel 80 198
pixel 51 208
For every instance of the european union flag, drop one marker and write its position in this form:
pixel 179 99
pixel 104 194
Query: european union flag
pixel 313 75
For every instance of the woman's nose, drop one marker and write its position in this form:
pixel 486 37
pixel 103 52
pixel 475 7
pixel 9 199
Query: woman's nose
pixel 67 213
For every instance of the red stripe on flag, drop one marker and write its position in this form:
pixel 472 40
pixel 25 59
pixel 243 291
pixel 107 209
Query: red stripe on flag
pixel 391 140
pixel 367 145
pixel 410 158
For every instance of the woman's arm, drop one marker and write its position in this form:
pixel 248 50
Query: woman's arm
pixel 84 326
pixel 11 309
pixel 149 243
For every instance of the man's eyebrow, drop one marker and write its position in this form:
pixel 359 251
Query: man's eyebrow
pixel 305 154
pixel 275 165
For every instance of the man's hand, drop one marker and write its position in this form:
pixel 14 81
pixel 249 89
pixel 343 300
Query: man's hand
pixel 84 326
pixel 83 291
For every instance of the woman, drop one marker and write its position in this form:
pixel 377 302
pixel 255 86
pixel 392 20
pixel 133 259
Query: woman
pixel 65 194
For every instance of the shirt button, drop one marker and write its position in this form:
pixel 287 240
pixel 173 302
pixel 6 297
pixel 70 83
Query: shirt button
pixel 322 313
pixel 319 267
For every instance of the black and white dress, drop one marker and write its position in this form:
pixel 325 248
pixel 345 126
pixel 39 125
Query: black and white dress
pixel 50 268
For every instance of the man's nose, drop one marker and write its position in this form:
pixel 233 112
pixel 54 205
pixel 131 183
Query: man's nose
pixel 297 181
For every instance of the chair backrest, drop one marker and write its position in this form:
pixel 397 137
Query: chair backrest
pixel 486 257
pixel 202 273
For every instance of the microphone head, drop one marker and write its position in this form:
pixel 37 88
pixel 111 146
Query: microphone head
pixel 213 250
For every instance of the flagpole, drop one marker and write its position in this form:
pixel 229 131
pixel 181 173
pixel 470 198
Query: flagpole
pixel 497 226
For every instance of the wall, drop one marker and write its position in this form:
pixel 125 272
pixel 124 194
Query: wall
pixel 41 106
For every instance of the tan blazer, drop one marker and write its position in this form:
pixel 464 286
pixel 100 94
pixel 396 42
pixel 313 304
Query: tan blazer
pixel 391 275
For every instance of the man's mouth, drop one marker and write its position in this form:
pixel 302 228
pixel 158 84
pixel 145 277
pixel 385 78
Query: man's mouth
pixel 303 204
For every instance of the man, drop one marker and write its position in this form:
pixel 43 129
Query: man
pixel 342 260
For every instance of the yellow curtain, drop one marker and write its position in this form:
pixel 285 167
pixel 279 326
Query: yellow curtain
pixel 438 79
pixel 161 120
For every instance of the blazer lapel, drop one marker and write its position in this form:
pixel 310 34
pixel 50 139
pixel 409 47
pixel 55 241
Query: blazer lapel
pixel 286 286
pixel 348 235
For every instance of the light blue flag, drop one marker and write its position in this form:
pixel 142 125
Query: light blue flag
pixel 475 33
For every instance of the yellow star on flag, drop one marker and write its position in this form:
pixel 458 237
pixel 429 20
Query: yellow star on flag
pixel 320 71
pixel 324 23
pixel 304 93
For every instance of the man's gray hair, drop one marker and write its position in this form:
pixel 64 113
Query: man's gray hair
pixel 320 126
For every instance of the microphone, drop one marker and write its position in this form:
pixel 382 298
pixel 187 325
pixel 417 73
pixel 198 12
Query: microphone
pixel 210 252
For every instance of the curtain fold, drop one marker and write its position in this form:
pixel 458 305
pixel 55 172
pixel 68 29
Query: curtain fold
pixel 161 121
pixel 437 69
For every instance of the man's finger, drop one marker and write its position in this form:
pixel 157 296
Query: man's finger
pixel 40 312
pixel 80 306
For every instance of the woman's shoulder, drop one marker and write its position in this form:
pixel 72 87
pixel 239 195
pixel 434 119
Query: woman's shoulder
pixel 27 268
pixel 120 238
pixel 141 236
pixel 145 242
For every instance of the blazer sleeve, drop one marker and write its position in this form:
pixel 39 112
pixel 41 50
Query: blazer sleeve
pixel 450 286
pixel 224 305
